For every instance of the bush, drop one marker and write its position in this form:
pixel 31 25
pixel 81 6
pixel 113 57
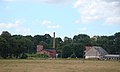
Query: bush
pixel 42 56
pixel 38 55
pixel 23 56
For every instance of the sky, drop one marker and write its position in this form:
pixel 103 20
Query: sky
pixel 65 17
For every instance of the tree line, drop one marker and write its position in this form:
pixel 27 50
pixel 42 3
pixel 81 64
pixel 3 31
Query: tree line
pixel 17 46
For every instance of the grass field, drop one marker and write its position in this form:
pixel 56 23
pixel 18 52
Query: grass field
pixel 58 66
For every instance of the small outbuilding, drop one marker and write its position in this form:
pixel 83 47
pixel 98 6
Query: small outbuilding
pixel 111 57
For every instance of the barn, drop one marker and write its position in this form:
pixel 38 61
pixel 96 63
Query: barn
pixel 94 52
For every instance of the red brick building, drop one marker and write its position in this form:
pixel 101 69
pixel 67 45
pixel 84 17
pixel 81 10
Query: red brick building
pixel 51 52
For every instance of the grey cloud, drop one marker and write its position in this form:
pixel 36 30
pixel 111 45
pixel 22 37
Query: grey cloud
pixel 116 2
pixel 112 0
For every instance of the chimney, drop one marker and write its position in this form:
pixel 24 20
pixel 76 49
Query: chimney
pixel 54 40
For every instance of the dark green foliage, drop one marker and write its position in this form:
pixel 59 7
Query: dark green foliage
pixel 82 38
pixel 6 35
pixel 38 55
pixel 44 44
pixel 5 48
pixel 66 51
pixel 72 50
pixel 23 56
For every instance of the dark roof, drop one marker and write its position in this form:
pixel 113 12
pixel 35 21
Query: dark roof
pixel 100 50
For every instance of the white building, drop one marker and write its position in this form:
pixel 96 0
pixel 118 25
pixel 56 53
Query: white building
pixel 94 52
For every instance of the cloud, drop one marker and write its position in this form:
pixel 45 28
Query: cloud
pixel 9 25
pixel 41 1
pixel 83 29
pixel 46 22
pixel 49 24
pixel 53 1
pixel 54 26
pixel 113 20
pixel 16 26
pixel 93 10
pixel 23 30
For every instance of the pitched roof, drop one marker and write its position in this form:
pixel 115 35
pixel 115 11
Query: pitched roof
pixel 100 50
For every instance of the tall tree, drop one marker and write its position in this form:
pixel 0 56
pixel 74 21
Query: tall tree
pixel 67 40
pixel 7 50
pixel 6 35
pixel 82 38
pixel 3 47
pixel 117 42
pixel 66 51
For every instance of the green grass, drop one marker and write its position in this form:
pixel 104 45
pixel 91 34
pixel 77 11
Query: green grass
pixel 59 65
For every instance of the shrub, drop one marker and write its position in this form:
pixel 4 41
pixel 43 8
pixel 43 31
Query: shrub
pixel 23 56
pixel 38 55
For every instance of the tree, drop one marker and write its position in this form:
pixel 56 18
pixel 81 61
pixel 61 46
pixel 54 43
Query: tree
pixel 66 51
pixel 45 45
pixel 103 42
pixel 82 38
pixel 72 50
pixel 37 39
pixel 31 43
pixel 48 40
pixel 6 49
pixel 20 45
pixel 58 44
pixel 6 35
pixel 3 48
pixel 77 49
pixel 67 40
pixel 117 42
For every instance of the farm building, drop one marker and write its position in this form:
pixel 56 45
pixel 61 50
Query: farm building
pixel 51 52
pixel 111 57
pixel 95 52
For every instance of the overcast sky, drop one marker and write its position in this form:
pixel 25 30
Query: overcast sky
pixel 65 17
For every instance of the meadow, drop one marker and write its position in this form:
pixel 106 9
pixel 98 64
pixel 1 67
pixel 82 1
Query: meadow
pixel 59 65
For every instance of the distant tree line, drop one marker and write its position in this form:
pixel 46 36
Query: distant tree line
pixel 16 46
